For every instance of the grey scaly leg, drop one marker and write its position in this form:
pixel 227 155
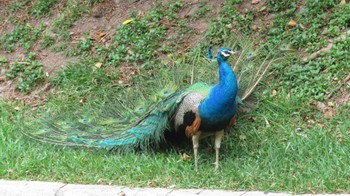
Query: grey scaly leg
pixel 218 138
pixel 195 140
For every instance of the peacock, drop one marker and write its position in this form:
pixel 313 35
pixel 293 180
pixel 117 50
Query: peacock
pixel 194 112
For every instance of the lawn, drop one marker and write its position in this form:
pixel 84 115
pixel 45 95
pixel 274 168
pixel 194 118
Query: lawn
pixel 294 138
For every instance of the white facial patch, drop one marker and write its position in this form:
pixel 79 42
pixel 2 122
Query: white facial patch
pixel 226 53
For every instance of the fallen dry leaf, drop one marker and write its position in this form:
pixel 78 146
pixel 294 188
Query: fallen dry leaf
pixel 321 125
pixel 242 137
pixel 100 34
pixel 274 92
pixel 121 193
pixel 151 184
pixel 81 101
pixel 288 96
pixel 254 27
pixel 330 104
pixel 329 113
pixel 253 119
pixel 98 65
pixel 255 2
pixel 186 157
pixel 292 23
pixel 320 105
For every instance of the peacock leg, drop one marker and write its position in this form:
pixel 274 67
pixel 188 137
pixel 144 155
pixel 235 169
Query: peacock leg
pixel 195 140
pixel 218 138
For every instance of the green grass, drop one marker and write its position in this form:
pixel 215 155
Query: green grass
pixel 282 144
pixel 279 157
pixel 29 72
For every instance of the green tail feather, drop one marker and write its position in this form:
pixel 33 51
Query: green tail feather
pixel 111 130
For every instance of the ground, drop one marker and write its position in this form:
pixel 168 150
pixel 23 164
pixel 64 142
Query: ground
pixel 100 24
pixel 292 136
pixel 104 17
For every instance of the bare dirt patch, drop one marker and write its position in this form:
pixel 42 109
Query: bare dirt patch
pixel 104 17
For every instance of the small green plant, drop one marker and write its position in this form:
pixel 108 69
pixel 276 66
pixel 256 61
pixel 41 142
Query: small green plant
pixel 85 45
pixel 16 6
pixel 28 72
pixel 72 11
pixel 3 59
pixel 42 8
pixel 47 41
pixel 229 20
pixel 138 41
pixel 202 11
pixel 278 5
pixel 316 78
pixel 332 31
pixel 92 2
pixel 24 34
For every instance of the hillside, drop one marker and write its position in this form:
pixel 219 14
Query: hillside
pixel 73 56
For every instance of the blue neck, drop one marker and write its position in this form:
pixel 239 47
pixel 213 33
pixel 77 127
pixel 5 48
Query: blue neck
pixel 220 105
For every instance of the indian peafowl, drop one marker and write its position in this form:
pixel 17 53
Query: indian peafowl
pixel 197 111
pixel 209 110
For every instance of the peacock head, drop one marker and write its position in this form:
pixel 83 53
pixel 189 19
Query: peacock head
pixel 225 53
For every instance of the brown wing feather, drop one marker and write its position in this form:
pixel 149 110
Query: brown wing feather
pixel 193 128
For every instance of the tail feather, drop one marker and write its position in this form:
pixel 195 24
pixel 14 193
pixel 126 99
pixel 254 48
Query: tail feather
pixel 112 131
pixel 253 63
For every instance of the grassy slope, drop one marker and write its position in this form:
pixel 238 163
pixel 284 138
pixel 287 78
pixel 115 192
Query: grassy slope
pixel 284 144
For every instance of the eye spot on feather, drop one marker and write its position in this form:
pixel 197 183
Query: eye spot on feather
pixel 250 55
pixel 84 120
pixel 168 90
pixel 99 129
pixel 140 109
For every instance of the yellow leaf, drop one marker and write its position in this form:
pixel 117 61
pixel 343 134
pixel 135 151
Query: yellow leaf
pixel 342 2
pixel 127 21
